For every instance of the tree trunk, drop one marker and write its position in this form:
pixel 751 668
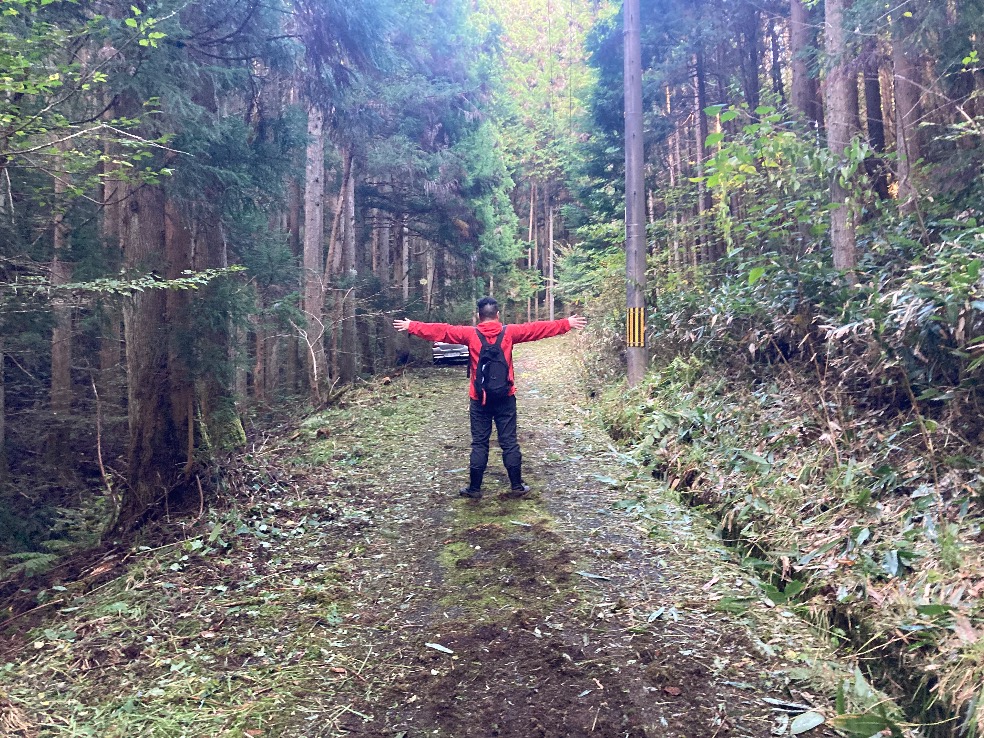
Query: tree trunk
pixel 4 467
pixel 404 238
pixel 179 248
pixel 220 425
pixel 348 361
pixel 540 239
pixel 691 214
pixel 750 58
pixel 550 260
pixel 333 264
pixel 908 114
pixel 157 443
pixel 775 69
pixel 260 362
pixel 292 363
pixel 374 241
pixel 875 121
pixel 886 81
pixel 853 101
pixel 385 273
pixel 110 378
pixel 333 277
pixel 804 91
pixel 272 373
pixel 673 154
pixel 110 352
pixel 386 282
pixel 839 134
pixel 429 268
pixel 240 381
pixel 704 202
pixel 532 245
pixel 59 436
pixel 314 235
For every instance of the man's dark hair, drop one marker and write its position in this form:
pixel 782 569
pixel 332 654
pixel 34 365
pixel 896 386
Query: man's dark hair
pixel 488 308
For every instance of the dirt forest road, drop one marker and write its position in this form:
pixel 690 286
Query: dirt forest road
pixel 351 592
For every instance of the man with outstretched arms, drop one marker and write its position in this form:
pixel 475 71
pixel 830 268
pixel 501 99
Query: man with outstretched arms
pixel 492 391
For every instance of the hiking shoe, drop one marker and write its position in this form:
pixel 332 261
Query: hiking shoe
pixel 473 494
pixel 517 492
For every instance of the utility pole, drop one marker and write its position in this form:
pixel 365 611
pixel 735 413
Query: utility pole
pixel 635 214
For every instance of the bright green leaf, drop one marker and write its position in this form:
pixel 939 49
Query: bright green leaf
pixel 860 725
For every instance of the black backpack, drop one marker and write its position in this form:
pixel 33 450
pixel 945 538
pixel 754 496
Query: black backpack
pixel 492 376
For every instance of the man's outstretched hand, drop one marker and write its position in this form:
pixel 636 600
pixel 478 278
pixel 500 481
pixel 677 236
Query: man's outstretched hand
pixel 577 322
pixel 402 325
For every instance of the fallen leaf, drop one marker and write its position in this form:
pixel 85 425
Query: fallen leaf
pixel 339 670
pixel 806 721
pixel 101 569
pixel 439 647
pixel 782 724
pixel 966 632
pixel 589 575
pixel 673 691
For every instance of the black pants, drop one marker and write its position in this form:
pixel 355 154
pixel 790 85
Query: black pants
pixel 504 415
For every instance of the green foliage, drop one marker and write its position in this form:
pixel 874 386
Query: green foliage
pixel 127 287
pixel 873 717
pixel 26 563
pixel 778 171
pixel 918 329
pixel 834 511
pixel 45 90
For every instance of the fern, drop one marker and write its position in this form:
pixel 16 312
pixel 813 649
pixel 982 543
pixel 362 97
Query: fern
pixel 26 563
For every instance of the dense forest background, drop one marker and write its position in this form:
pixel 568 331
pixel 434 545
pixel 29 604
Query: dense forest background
pixel 212 210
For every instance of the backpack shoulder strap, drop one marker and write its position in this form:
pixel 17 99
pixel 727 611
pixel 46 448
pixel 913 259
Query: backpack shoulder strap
pixel 498 339
pixel 482 338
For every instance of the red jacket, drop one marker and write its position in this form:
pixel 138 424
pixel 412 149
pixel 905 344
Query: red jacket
pixel 465 334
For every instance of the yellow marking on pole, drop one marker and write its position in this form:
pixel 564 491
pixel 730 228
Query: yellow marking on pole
pixel 635 327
